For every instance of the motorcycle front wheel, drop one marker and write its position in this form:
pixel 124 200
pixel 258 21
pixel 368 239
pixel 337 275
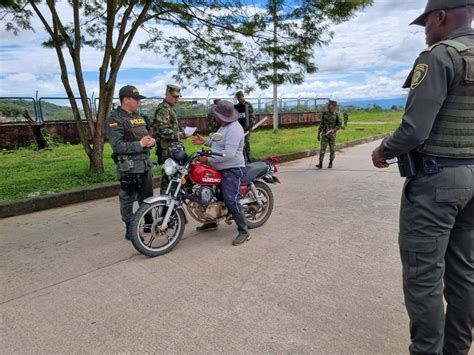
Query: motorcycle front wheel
pixel 146 234
pixel 256 215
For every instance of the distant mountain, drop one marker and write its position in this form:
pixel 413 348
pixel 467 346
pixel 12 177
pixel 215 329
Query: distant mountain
pixel 11 110
pixel 384 103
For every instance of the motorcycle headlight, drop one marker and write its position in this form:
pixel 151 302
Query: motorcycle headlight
pixel 170 167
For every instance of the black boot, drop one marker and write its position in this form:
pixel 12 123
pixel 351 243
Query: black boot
pixel 242 228
pixel 207 227
pixel 320 165
pixel 148 223
pixel 330 164
pixel 128 231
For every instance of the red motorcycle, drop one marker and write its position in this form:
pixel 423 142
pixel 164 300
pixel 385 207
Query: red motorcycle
pixel 159 223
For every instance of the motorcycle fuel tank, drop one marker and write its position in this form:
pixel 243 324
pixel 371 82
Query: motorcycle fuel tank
pixel 204 175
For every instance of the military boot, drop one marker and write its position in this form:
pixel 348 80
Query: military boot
pixel 320 165
pixel 207 227
pixel 330 164
pixel 242 228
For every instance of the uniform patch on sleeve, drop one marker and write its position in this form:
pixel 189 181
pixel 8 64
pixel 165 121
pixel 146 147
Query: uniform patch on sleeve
pixel 113 125
pixel 419 74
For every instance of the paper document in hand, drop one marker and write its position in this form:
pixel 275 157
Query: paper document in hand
pixel 188 131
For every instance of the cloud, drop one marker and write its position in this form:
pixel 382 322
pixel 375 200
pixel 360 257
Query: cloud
pixel 369 57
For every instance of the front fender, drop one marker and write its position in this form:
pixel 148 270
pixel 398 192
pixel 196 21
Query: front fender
pixel 157 198
pixel 167 199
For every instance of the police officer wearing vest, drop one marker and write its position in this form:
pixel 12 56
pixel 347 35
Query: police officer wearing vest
pixel 328 127
pixel 435 148
pixel 130 140
pixel 166 127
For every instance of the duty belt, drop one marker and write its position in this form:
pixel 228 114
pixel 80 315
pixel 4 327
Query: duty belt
pixel 139 156
pixel 430 164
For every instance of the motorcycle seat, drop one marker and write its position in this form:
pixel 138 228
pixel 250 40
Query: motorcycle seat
pixel 254 170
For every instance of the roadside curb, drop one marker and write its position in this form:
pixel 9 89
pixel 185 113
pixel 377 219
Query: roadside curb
pixel 39 203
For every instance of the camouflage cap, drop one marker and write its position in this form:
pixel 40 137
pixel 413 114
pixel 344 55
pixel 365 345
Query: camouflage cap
pixel 240 92
pixel 332 102
pixel 433 5
pixel 174 90
pixel 130 91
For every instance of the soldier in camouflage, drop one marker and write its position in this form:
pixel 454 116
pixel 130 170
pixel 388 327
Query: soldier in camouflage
pixel 166 127
pixel 131 142
pixel 212 125
pixel 329 125
pixel 346 118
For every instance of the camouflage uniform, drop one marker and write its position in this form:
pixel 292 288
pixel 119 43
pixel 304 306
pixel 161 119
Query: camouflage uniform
pixel 346 118
pixel 167 131
pixel 329 121
pixel 134 167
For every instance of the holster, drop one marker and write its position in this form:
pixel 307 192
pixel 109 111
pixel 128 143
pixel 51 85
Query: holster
pixel 130 183
pixel 411 163
pixel 124 163
pixel 406 165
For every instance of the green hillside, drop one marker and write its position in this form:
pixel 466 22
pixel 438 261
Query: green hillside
pixel 11 110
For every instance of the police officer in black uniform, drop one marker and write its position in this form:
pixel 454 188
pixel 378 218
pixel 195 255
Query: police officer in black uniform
pixel 130 139
pixel 246 119
pixel 435 148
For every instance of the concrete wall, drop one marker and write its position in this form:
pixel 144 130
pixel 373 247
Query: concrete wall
pixel 20 134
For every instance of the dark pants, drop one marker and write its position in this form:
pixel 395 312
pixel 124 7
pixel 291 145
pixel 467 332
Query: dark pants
pixel 165 180
pixel 231 181
pixel 437 253
pixel 247 148
pixel 143 190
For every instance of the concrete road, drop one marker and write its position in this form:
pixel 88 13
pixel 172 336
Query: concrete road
pixel 321 277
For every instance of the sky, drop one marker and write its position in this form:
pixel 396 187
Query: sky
pixel 368 58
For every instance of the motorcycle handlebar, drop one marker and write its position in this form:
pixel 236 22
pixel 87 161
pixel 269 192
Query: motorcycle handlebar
pixel 210 153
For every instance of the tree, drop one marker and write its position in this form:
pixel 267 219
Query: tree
pixel 110 26
pixel 285 34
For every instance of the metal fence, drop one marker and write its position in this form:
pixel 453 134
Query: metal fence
pixel 51 109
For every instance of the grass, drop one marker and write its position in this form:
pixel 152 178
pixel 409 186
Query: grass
pixel 385 116
pixel 26 172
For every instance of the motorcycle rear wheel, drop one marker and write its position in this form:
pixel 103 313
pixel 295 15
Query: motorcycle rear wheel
pixel 146 236
pixel 256 215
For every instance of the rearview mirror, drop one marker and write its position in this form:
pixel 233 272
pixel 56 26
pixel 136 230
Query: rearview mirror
pixel 215 137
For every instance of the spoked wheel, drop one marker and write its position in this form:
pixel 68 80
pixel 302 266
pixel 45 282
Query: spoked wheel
pixel 147 236
pixel 256 215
